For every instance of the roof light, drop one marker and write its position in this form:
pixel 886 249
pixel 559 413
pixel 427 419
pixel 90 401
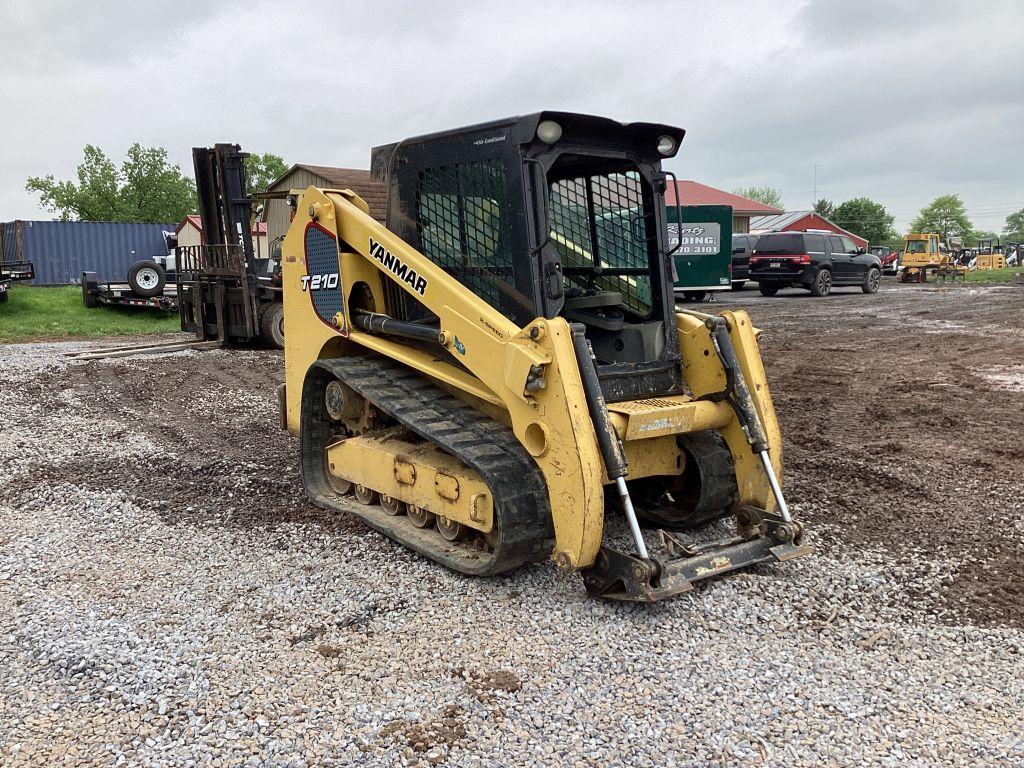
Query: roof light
pixel 549 131
pixel 666 145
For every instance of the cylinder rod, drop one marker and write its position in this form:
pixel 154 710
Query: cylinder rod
pixel 776 488
pixel 634 526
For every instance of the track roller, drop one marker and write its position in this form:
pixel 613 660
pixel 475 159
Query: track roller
pixel 419 517
pixel 393 507
pixel 366 495
pixel 450 530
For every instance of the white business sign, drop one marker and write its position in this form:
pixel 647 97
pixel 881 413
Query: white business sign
pixel 698 239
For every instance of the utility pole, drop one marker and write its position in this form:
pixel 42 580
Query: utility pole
pixel 814 200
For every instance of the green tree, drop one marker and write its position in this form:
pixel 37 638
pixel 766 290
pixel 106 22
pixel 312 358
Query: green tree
pixel 263 170
pixel 945 215
pixel 767 195
pixel 145 188
pixel 866 218
pixel 972 240
pixel 1013 229
pixel 825 208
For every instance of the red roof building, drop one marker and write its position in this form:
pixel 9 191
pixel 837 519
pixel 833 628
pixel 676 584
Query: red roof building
pixel 801 221
pixel 743 208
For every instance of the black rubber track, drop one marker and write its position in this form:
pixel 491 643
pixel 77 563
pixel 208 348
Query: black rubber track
pixel 523 528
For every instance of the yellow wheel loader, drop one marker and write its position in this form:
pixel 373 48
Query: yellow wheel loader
pixel 497 369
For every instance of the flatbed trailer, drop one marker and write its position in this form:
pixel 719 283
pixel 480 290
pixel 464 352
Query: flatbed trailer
pixel 14 270
pixel 95 293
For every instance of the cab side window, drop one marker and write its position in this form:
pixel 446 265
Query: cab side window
pixel 848 245
pixel 835 244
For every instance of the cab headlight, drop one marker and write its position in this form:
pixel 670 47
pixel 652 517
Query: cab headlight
pixel 549 131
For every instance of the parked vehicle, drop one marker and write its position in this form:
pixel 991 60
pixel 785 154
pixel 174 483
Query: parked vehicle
pixel 925 254
pixel 12 271
pixel 815 260
pixel 888 257
pixel 742 245
pixel 95 293
pixel 1014 253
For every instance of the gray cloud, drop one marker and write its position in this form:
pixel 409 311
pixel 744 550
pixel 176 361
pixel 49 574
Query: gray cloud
pixel 899 102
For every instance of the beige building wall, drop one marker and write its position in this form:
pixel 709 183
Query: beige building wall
pixel 278 216
pixel 189 235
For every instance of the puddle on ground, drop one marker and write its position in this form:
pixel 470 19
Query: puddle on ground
pixel 1011 378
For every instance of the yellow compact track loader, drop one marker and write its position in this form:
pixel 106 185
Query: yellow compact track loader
pixel 500 362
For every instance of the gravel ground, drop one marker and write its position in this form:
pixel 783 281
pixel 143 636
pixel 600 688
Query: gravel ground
pixel 168 597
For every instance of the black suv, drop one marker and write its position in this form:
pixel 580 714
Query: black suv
pixel 817 261
pixel 742 245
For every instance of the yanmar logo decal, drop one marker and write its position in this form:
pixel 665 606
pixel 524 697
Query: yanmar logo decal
pixel 398 268
pixel 320 282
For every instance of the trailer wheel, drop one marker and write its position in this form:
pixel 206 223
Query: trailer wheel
pixel 272 325
pixel 147 278
pixel 3 296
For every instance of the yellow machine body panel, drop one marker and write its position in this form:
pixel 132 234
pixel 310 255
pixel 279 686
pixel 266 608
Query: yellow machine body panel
pixel 990 261
pixel 922 250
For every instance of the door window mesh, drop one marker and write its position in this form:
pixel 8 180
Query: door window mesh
pixel 464 222
pixel 599 221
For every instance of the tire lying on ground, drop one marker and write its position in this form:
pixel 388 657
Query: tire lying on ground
pixel 147 278
pixel 272 325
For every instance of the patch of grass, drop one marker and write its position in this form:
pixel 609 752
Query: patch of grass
pixel 35 312
pixel 994 275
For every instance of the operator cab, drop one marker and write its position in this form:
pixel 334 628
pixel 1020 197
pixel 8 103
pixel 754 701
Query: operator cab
pixel 545 215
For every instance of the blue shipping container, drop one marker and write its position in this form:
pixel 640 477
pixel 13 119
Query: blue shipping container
pixel 63 250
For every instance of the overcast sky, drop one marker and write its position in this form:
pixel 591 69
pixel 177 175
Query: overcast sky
pixel 899 102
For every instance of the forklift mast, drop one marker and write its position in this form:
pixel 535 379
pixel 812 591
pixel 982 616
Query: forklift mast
pixel 224 204
pixel 224 291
